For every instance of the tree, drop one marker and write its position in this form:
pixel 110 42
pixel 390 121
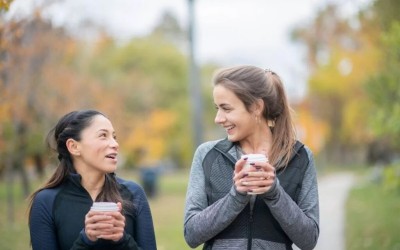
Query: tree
pixel 149 73
pixel 5 4
pixel 341 56
pixel 384 89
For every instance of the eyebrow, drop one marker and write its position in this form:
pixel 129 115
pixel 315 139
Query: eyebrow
pixel 106 130
pixel 223 105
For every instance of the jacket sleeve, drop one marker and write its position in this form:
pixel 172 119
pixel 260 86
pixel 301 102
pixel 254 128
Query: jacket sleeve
pixel 41 224
pixel 299 221
pixel 83 243
pixel 145 236
pixel 203 222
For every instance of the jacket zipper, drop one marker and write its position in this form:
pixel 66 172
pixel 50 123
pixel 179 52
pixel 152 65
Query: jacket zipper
pixel 250 234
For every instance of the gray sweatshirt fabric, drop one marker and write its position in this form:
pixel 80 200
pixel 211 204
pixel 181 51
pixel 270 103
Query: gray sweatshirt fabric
pixel 202 222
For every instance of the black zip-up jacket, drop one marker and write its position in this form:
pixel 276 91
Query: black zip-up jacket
pixel 58 219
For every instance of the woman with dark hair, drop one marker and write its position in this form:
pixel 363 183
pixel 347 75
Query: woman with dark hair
pixel 235 203
pixel 60 215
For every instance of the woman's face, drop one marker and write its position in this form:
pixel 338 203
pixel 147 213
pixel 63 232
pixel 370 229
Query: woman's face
pixel 98 148
pixel 232 114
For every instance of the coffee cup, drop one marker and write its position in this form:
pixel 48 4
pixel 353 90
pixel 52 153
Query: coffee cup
pixel 253 158
pixel 104 207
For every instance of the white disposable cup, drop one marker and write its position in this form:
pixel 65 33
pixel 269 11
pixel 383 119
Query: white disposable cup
pixel 253 158
pixel 104 206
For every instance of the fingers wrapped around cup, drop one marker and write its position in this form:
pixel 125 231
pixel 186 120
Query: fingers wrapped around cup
pixel 104 225
pixel 257 179
pixel 253 174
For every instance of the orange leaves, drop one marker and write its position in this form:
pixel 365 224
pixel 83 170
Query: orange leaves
pixel 310 130
pixel 150 135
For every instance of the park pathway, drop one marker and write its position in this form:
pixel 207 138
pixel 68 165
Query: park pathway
pixel 333 190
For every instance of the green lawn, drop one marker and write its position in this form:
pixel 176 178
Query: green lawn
pixel 373 217
pixel 14 232
pixel 167 209
pixel 372 220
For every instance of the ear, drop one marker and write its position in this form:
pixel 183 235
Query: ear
pixel 258 107
pixel 73 147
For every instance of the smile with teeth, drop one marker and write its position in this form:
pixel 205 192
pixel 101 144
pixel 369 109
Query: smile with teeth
pixel 230 128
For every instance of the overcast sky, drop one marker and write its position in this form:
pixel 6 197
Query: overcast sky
pixel 228 32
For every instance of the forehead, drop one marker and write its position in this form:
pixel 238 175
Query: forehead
pixel 100 122
pixel 222 94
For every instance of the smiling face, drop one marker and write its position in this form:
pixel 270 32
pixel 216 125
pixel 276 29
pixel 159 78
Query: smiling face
pixel 232 115
pixel 98 149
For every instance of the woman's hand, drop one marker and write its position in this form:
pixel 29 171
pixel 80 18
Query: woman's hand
pixel 239 173
pixel 105 225
pixel 257 179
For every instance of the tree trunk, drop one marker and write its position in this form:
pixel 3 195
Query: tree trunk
pixel 39 165
pixel 9 173
pixel 20 156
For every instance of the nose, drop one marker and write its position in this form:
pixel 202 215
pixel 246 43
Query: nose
pixel 114 143
pixel 219 117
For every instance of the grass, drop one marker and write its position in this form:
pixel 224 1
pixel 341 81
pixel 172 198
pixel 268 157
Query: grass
pixel 167 210
pixel 373 220
pixel 14 232
pixel 372 215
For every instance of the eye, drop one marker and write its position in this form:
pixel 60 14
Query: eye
pixel 103 135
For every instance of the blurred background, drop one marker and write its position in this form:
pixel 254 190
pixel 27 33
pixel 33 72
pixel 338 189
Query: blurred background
pixel 148 65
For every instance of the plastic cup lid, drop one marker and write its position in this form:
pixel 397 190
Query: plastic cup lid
pixel 104 206
pixel 255 157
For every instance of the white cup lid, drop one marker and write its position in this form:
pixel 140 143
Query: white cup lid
pixel 255 157
pixel 104 206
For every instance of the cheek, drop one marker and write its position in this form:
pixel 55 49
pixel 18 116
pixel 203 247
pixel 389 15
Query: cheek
pixel 246 123
pixel 96 149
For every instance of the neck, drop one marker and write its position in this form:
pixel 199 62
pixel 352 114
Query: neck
pixel 93 183
pixel 258 143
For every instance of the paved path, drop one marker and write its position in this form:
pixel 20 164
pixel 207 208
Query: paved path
pixel 333 190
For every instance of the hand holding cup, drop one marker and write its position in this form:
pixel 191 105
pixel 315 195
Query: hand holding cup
pixel 253 174
pixel 104 220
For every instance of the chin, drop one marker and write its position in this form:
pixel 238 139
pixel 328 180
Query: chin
pixel 110 170
pixel 232 138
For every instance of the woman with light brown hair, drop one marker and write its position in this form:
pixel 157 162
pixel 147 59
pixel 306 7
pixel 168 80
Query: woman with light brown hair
pixel 235 203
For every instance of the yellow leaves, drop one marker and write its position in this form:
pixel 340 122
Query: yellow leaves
pixel 161 121
pixel 150 136
pixel 310 130
pixel 5 111
pixel 340 84
pixel 354 127
pixel 5 4
pixel 346 71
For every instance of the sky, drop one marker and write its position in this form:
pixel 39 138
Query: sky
pixel 227 32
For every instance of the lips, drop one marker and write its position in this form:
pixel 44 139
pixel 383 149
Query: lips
pixel 229 128
pixel 112 156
